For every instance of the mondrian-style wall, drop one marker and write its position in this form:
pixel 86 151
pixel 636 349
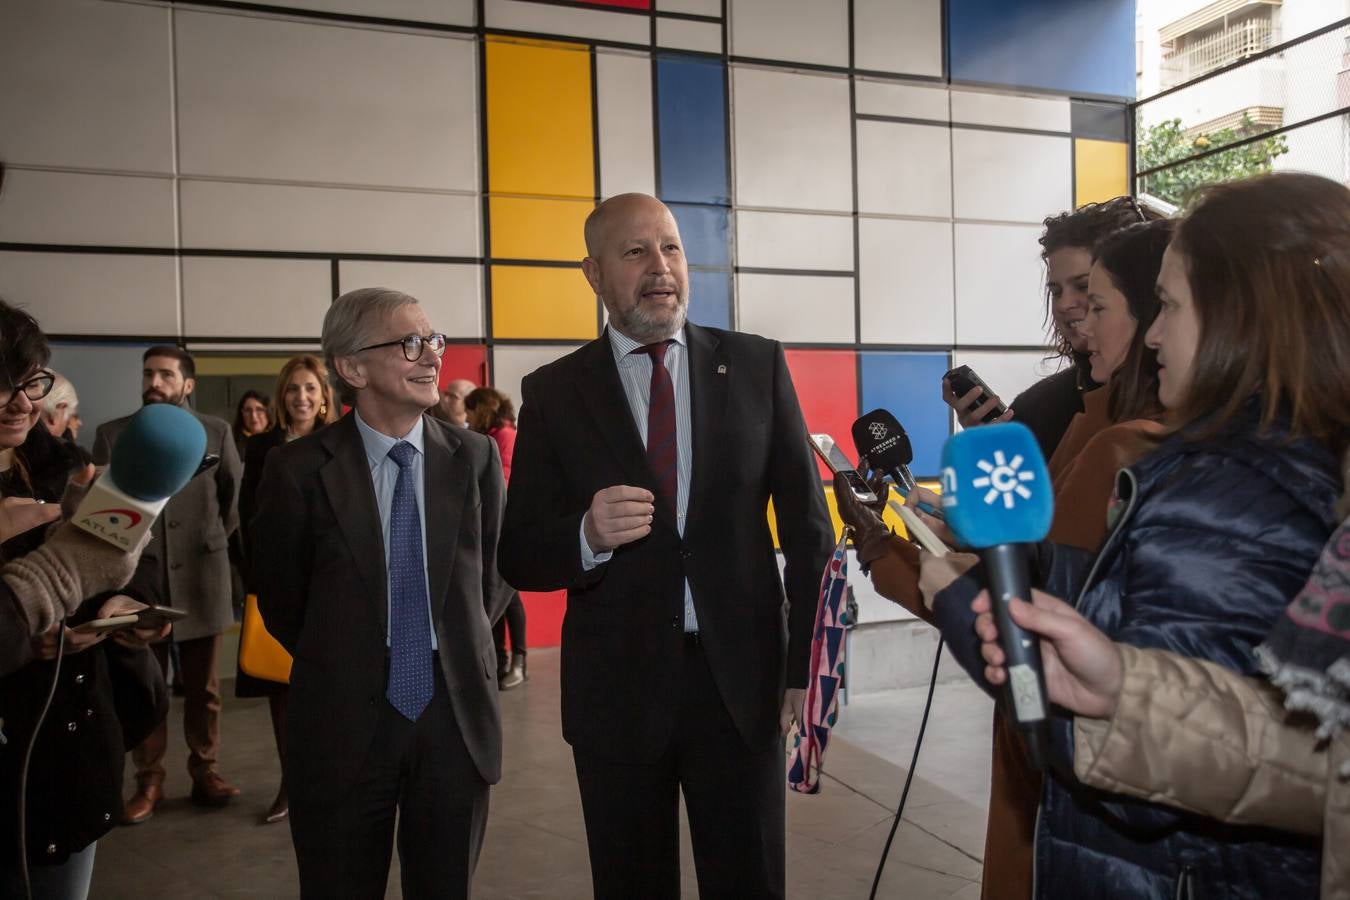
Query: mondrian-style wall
pixel 862 179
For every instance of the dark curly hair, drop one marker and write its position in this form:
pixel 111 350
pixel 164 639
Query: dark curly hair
pixel 1083 228
pixel 23 346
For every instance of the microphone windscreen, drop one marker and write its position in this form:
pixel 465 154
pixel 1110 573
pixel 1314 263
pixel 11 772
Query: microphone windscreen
pixel 995 486
pixel 880 437
pixel 158 452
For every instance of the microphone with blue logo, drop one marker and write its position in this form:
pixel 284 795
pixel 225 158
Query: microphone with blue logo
pixel 997 498
pixel 159 452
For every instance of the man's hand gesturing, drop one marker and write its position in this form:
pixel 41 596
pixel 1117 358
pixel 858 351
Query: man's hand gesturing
pixel 618 515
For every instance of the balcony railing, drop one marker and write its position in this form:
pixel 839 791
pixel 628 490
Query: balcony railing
pixel 1214 51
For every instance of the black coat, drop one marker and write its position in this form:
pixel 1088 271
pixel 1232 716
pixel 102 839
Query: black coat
pixel 1214 538
pixel 622 634
pixel 108 699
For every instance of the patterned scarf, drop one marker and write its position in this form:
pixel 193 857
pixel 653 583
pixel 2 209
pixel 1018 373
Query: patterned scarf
pixel 1308 652
pixel 821 709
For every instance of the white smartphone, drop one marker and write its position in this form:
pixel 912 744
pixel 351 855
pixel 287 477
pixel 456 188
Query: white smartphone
pixel 838 463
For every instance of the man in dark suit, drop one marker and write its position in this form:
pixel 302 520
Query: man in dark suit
pixel 375 543
pixel 192 536
pixel 643 468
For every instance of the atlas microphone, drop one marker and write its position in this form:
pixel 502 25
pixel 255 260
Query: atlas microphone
pixel 997 498
pixel 882 440
pixel 158 452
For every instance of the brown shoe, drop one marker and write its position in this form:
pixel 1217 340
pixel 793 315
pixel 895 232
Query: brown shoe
pixel 142 804
pixel 212 790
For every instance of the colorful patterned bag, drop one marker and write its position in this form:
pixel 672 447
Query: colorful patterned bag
pixel 821 709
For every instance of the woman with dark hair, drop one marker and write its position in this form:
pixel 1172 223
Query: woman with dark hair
pixel 1048 406
pixel 1214 530
pixel 110 694
pixel 304 404
pixel 251 417
pixel 492 413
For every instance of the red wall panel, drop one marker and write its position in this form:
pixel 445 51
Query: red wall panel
pixel 827 388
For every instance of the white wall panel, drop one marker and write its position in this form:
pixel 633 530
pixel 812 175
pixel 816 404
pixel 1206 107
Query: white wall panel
pixel 693 7
pixel 96 96
pixel 541 18
pixel 803 308
pixel 512 363
pixel 898 36
pixel 791 140
pixel 623 100
pixel 809 31
pixel 1007 373
pixel 235 297
pixel 298 101
pixel 74 208
pixel 452 295
pixel 227 215
pixel 904 169
pixel 1010 177
pixel 794 241
pixel 1000 285
pixel 681 34
pixel 889 98
pixel 1010 111
pixel 92 293
pixel 445 12
pixel 907 287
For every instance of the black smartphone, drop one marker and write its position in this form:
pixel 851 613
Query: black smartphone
pixel 207 462
pixel 963 379
pixel 838 463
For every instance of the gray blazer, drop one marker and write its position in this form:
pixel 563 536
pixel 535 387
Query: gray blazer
pixel 194 531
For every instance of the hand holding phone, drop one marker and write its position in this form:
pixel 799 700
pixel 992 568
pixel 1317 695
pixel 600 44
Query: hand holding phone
pixel 962 380
pixel 838 464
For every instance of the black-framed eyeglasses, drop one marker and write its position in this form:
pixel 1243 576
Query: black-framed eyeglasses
pixel 414 345
pixel 35 388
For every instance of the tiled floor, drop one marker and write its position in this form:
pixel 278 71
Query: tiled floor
pixel 536 843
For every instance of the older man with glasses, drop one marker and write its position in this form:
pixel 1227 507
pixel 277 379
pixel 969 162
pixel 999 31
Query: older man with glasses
pixel 375 548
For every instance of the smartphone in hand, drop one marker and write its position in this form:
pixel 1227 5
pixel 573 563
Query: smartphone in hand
pixel 838 463
pixel 963 379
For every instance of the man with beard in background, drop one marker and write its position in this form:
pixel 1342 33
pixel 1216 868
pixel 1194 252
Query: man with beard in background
pixel 193 533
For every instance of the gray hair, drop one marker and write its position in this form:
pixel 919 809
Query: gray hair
pixel 61 394
pixel 350 324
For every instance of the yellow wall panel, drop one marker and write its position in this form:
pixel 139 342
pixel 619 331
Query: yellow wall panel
pixel 531 228
pixel 539 118
pixel 542 302
pixel 1101 170
pixel 889 517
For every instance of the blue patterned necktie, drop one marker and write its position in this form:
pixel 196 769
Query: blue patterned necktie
pixel 410 675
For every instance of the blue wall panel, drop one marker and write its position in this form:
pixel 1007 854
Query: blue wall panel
pixel 692 120
pixel 710 299
pixel 704 231
pixel 910 386
pixel 1074 46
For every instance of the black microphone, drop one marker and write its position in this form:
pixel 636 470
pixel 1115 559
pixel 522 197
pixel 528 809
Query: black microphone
pixel 882 441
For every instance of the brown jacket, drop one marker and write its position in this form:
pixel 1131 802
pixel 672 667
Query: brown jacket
pixel 1202 738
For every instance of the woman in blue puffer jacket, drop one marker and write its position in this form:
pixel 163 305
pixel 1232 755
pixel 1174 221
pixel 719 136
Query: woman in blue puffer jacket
pixel 1213 531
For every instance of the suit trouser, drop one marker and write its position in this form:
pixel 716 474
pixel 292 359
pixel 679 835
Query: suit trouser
pixel 734 798
pixel 201 712
pixel 418 772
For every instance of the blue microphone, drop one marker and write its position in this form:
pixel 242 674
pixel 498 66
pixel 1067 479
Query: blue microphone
pixel 997 498
pixel 155 456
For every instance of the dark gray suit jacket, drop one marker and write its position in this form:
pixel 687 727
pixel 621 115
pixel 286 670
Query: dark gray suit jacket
pixel 323 590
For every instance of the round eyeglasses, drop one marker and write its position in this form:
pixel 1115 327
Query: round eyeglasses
pixel 414 344
pixel 35 388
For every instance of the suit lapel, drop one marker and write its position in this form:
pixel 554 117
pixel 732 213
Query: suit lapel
pixel 709 379
pixel 447 483
pixel 603 396
pixel 347 481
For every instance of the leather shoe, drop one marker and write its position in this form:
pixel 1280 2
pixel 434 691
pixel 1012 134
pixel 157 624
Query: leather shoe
pixel 212 790
pixel 280 809
pixel 142 804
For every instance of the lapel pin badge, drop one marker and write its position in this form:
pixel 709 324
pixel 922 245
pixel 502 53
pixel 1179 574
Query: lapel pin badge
pixel 721 370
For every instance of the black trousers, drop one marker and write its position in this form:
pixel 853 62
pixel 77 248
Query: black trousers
pixel 733 796
pixel 420 771
pixel 512 620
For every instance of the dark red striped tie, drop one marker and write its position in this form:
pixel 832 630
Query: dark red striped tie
pixel 663 453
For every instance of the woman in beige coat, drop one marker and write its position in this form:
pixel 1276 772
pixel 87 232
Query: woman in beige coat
pixel 1197 736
